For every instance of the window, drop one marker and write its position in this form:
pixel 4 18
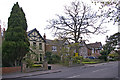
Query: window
pixel 95 50
pixel 54 48
pixel 40 46
pixel 34 45
pixel 40 57
pixel 98 51
pixel 92 50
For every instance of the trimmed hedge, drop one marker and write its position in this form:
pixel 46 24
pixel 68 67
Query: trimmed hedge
pixel 89 62
pixel 36 65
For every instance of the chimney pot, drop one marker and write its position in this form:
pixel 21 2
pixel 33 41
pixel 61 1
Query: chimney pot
pixel 3 29
pixel 44 36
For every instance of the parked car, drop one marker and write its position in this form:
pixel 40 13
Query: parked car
pixel 91 57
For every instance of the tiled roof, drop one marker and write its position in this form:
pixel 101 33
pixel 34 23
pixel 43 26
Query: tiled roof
pixel 54 42
pixel 95 45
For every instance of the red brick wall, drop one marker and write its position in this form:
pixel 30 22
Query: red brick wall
pixel 89 52
pixel 6 70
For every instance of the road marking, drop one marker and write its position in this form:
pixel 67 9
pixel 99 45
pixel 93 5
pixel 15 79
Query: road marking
pixel 98 70
pixel 73 76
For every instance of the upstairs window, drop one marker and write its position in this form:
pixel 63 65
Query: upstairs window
pixel 40 46
pixel 34 45
pixel 54 48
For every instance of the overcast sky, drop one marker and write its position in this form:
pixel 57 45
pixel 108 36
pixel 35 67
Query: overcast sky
pixel 39 11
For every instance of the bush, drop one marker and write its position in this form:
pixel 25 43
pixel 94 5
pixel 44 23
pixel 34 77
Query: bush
pixel 29 62
pixel 52 58
pixel 89 62
pixel 55 58
pixel 86 60
pixel 114 55
pixel 104 57
pixel 77 59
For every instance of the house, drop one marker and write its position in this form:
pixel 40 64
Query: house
pixel 92 49
pixel 84 49
pixel 56 45
pixel 37 45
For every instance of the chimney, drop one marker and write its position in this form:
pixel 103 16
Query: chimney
pixel 44 36
pixel 3 29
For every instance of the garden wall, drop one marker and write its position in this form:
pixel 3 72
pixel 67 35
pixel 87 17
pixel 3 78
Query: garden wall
pixel 6 70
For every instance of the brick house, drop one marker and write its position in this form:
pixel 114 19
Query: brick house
pixel 37 45
pixel 55 46
pixel 92 49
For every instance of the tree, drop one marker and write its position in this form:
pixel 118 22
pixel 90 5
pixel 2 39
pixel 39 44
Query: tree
pixel 52 58
pixel 79 20
pixel 111 42
pixel 104 55
pixel 110 45
pixel 113 8
pixel 16 44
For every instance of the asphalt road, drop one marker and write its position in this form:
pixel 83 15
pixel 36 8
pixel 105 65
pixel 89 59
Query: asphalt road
pixel 107 70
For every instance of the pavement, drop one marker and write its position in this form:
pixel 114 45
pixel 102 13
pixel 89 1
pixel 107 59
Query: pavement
pixel 20 75
pixel 55 69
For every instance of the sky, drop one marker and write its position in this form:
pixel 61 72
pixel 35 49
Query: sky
pixel 39 11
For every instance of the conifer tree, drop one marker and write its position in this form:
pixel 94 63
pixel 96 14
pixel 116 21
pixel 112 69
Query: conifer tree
pixel 16 43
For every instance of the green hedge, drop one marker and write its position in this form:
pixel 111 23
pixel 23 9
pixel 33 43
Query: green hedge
pixel 36 65
pixel 89 62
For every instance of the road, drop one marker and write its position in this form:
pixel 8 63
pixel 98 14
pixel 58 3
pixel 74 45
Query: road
pixel 106 70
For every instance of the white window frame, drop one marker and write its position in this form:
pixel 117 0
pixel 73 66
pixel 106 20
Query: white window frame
pixel 54 48
pixel 92 50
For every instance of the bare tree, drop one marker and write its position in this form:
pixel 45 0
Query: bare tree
pixel 79 19
pixel 113 10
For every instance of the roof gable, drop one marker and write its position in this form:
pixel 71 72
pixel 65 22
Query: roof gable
pixel 35 33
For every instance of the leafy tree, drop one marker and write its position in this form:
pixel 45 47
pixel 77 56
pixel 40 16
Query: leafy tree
pixel 55 58
pixel 110 45
pixel 16 44
pixel 104 55
pixel 52 58
pixel 48 57
pixel 111 42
